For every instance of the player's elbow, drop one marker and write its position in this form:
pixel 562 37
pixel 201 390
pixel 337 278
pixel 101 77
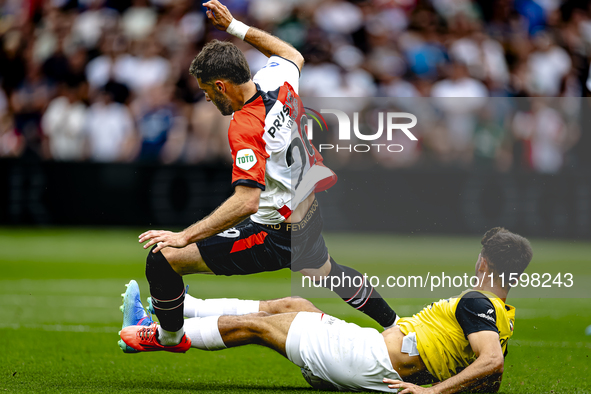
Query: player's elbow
pixel 294 56
pixel 500 367
pixel 248 198
pixel 492 364
pixel 250 205
pixel 496 364
pixel 298 59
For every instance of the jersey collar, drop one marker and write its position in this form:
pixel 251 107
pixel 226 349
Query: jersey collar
pixel 256 95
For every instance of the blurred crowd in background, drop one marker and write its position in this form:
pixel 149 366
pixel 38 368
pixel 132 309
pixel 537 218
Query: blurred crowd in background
pixel 107 80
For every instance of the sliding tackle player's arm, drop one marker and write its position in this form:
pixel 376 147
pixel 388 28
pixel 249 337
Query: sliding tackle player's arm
pixel 243 203
pixel 266 43
pixel 483 375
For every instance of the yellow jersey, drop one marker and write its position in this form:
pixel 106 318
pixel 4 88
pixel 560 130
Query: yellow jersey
pixel 442 329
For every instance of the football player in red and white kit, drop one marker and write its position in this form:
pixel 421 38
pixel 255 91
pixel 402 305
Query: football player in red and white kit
pixel 276 172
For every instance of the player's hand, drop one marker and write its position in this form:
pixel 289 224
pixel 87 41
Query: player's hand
pixel 163 239
pixel 218 14
pixel 407 388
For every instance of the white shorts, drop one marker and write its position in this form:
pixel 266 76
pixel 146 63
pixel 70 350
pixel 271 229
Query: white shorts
pixel 350 357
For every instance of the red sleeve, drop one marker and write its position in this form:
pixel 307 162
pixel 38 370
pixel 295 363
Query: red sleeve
pixel 249 155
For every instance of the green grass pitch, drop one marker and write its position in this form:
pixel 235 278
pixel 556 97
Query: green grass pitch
pixel 60 296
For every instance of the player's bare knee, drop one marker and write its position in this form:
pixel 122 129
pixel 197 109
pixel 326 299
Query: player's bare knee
pixel 297 304
pixel 281 305
pixel 250 328
pixel 260 314
pixel 300 304
pixel 288 304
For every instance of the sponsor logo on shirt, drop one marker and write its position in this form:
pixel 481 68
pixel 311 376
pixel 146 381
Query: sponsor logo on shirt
pixel 245 159
pixel 487 317
pixel 280 119
pixel 272 64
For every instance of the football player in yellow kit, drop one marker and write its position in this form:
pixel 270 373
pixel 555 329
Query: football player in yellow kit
pixel 459 342
pixel 462 341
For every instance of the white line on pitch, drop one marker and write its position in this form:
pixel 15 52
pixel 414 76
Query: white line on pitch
pixel 564 344
pixel 59 327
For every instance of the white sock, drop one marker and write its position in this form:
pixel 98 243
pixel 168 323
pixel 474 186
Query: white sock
pixel 169 338
pixel 204 333
pixel 195 307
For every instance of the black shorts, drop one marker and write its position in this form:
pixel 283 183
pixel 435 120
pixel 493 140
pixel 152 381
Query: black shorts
pixel 252 247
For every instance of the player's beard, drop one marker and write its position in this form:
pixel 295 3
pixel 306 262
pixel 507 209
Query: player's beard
pixel 222 103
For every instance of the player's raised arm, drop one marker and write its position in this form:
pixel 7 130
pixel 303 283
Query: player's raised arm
pixel 266 43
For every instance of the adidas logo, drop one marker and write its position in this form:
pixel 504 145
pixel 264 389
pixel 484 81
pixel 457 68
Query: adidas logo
pixel 487 317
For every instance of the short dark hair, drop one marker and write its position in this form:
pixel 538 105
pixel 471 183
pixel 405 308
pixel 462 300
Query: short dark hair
pixel 505 251
pixel 220 60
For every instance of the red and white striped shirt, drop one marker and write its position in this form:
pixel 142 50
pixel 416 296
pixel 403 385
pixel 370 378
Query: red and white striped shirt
pixel 270 147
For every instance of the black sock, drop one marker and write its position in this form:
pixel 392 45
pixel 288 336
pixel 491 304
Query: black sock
pixel 167 291
pixel 361 297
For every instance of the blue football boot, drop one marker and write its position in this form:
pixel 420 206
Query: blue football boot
pixel 133 312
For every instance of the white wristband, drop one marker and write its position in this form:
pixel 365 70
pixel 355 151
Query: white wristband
pixel 238 29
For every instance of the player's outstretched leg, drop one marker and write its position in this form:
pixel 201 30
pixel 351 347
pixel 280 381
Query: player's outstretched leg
pixel 352 287
pixel 268 327
pixel 218 332
pixel 168 295
pixel 195 307
pixel 133 312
